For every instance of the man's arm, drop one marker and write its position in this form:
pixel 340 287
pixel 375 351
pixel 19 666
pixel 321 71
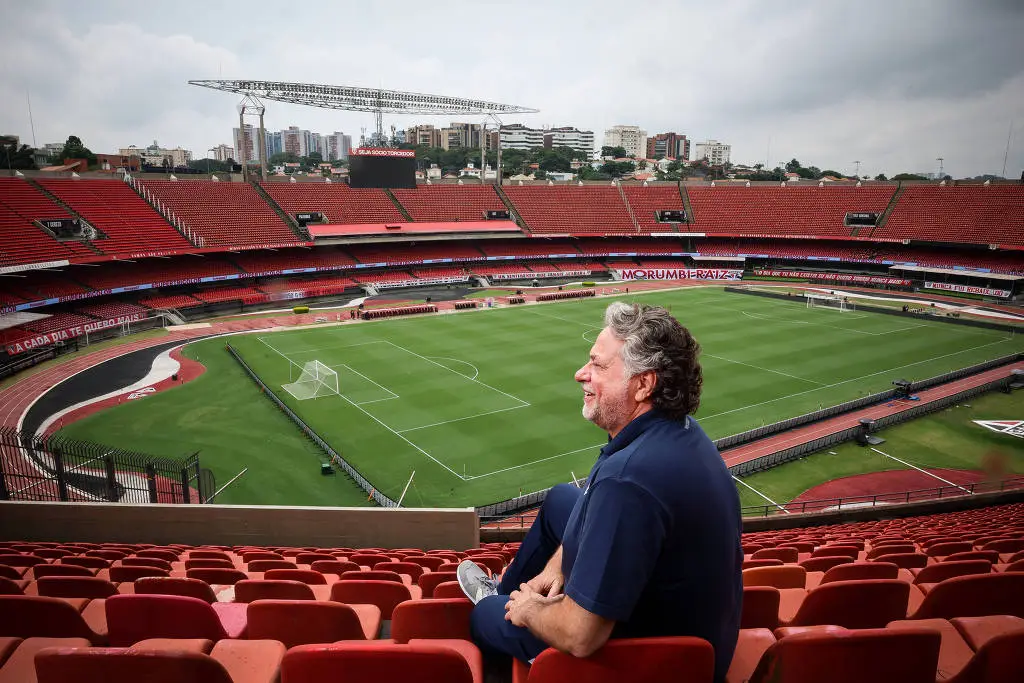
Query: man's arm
pixel 558 621
pixel 550 581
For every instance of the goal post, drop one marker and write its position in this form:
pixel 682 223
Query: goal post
pixel 838 303
pixel 315 381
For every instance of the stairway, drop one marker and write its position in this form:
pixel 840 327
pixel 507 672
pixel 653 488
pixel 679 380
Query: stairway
pixel 629 209
pixel 57 200
pixel 888 210
pixel 169 216
pixel 520 221
pixel 398 204
pixel 298 230
pixel 690 217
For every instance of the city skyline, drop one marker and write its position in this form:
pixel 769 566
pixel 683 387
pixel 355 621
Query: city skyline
pixel 905 85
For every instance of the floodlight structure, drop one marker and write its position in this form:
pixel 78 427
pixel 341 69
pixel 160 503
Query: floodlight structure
pixel 351 98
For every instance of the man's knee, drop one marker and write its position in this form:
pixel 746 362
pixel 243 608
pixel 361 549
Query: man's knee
pixel 486 622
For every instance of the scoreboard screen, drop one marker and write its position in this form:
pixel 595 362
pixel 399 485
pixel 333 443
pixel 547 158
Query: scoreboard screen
pixel 385 168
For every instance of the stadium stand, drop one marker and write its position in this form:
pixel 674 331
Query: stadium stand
pixel 57 321
pixel 449 202
pixel 982 215
pixel 489 269
pixel 399 254
pixel 154 271
pixel 129 223
pixel 112 309
pixel 864 618
pixel 262 262
pixel 572 210
pixel 176 301
pixel 523 248
pixel 783 210
pixel 339 203
pixel 222 214
pixel 639 246
pixel 23 241
pixel 645 201
pixel 247 295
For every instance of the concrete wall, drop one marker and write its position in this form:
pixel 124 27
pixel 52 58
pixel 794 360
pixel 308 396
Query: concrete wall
pixel 240 525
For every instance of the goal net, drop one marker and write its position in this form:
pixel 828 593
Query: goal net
pixel 836 303
pixel 315 381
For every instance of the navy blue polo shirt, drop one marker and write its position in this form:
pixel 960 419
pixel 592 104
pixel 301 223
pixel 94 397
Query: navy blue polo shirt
pixel 654 542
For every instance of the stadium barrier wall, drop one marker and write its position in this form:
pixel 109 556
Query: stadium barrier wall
pixel 360 480
pixel 771 460
pixel 886 311
pixel 271 525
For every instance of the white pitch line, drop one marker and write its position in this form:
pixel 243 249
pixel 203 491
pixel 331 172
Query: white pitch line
pixel 777 372
pixel 476 381
pixel 378 400
pixel 476 371
pixel 459 419
pixel 532 462
pixel 393 394
pixel 381 423
pixel 847 381
pixel 904 462
pixel 740 481
pixel 326 348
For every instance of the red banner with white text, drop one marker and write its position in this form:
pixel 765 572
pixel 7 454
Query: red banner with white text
pixel 48 338
pixel 834 277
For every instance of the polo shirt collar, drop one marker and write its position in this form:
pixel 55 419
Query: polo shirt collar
pixel 630 432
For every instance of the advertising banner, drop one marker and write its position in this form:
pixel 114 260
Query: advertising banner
pixel 71 332
pixel 967 289
pixel 835 277
pixel 679 274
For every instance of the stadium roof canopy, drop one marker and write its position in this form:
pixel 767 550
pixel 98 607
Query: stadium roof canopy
pixel 353 98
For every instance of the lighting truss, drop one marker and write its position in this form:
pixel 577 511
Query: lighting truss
pixel 373 100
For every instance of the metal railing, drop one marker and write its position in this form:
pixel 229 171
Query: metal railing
pixel 869 501
pixel 53 468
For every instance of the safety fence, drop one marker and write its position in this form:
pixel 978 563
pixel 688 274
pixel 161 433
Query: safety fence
pixel 53 468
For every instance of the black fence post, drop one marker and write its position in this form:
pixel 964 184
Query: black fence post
pixel 185 497
pixel 111 479
pixel 58 470
pixel 4 493
pixel 151 481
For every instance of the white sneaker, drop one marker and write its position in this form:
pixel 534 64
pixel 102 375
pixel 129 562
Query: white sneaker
pixel 474 581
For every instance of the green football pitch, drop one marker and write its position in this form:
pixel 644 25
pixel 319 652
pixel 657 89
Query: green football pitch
pixel 482 405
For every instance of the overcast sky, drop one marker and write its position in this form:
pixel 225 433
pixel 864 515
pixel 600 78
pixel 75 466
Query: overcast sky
pixel 894 84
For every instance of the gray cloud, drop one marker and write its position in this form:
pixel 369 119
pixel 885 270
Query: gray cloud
pixel 892 84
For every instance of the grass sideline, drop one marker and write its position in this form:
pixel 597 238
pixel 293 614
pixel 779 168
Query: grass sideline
pixel 482 405
pixel 948 439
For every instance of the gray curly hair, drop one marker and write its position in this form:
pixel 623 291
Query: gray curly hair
pixel 654 340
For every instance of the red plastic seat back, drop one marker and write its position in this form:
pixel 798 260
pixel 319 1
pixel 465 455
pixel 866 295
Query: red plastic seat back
pixel 302 622
pixel 123 573
pixel 431 579
pixel 118 665
pixel 41 570
pixel 250 591
pixel 869 655
pixel 75 587
pixel 373 575
pixel 411 568
pixel 307 576
pixel 975 596
pixel 131 618
pixel 855 604
pixel 217 575
pixel 934 573
pixel 820 564
pixel 431 619
pixel 368 559
pixel 448 589
pixel 23 616
pixel 787 555
pixel 384 594
pixel 267 565
pixel 760 607
pixel 638 660
pixel 855 571
pixel 423 661
pixel 146 562
pixel 174 585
